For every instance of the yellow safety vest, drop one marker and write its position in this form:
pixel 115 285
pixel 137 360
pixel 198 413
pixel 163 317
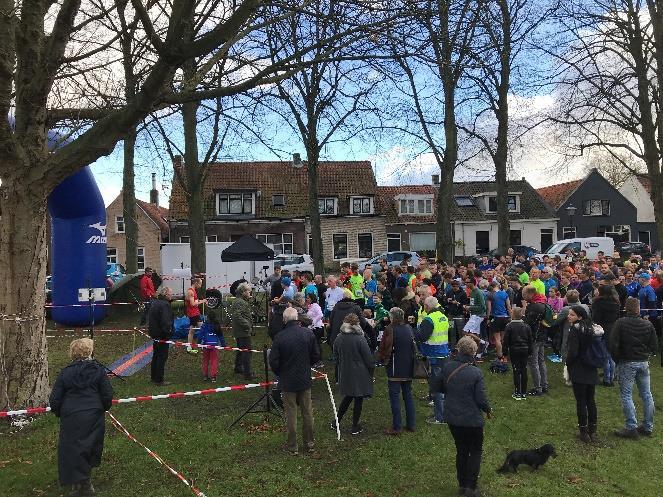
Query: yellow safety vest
pixel 421 314
pixel 440 334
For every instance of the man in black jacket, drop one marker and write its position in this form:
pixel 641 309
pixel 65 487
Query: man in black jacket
pixel 160 326
pixel 632 341
pixel 293 352
pixel 453 301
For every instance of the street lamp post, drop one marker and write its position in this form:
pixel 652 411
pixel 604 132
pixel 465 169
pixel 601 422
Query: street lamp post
pixel 571 211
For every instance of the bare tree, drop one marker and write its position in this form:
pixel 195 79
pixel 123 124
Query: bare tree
pixel 46 51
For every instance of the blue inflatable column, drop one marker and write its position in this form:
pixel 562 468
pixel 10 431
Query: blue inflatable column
pixel 78 247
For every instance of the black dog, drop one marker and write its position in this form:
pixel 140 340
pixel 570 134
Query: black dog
pixel 534 458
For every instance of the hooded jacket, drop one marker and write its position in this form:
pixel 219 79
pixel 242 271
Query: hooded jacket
pixel 534 314
pixel 580 337
pixel 81 386
pixel 160 319
pixel 341 309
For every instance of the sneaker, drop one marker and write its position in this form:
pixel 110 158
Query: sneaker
pixel 544 390
pixel 643 432
pixel 391 432
pixel 205 378
pixel 291 451
pixel 535 393
pixel 191 350
pixel 356 430
pixel 516 396
pixel 213 379
pixel 523 396
pixel 431 403
pixel 626 433
pixel 432 421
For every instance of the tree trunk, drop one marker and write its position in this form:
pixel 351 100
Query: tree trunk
pixel 194 188
pixel 23 350
pixel 313 157
pixel 129 204
pixel 443 237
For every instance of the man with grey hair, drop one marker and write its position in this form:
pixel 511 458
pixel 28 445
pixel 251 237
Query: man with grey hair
pixel 333 294
pixel 241 318
pixel 293 352
pixel 432 335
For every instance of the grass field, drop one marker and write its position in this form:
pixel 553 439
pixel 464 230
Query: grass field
pixel 192 435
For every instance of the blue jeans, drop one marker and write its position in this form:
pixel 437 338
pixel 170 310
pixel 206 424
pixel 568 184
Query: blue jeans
pixel 395 389
pixel 638 372
pixel 438 398
pixel 608 369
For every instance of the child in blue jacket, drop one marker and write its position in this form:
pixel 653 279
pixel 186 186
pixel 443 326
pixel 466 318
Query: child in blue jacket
pixel 211 334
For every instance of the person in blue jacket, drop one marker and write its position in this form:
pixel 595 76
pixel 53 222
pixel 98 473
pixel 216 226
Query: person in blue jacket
pixel 210 333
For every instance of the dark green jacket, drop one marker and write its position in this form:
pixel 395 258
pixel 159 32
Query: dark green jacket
pixel 240 317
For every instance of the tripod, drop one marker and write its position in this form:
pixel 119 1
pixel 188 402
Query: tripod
pixel 270 406
pixel 93 295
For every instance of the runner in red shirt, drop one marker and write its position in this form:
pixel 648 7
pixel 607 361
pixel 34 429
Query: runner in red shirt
pixel 192 311
pixel 147 293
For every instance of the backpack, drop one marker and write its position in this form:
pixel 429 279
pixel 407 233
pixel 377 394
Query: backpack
pixel 548 318
pixel 595 352
pixel 498 366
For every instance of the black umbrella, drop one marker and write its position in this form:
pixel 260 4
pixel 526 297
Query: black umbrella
pixel 247 248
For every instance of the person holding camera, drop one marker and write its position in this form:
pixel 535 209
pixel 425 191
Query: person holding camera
pixel 241 318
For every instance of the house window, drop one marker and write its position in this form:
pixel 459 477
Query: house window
pixel 361 205
pixel 482 242
pixel 568 232
pixel 512 204
pixel 422 241
pixel 111 255
pixel 278 200
pixel 596 207
pixel 644 237
pixel 619 233
pixel 416 206
pixel 515 237
pixel 119 224
pixel 546 238
pixel 365 245
pixel 393 242
pixel 282 242
pixel 463 201
pixel 140 258
pixel 234 203
pixel 327 206
pixel 185 239
pixel 340 245
pixel 212 238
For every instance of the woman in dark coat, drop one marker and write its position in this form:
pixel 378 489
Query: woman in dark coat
pixel 397 353
pixel 583 376
pixel 80 396
pixel 605 311
pixel 355 369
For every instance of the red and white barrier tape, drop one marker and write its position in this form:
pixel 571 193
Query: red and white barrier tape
pixel 88 304
pixel 331 399
pixel 200 346
pixel 118 426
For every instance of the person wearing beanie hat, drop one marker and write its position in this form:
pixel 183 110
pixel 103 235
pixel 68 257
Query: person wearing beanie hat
pixel 289 289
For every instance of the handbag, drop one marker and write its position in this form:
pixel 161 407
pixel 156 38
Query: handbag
pixel 421 369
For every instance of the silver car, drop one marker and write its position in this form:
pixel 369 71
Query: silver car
pixel 393 259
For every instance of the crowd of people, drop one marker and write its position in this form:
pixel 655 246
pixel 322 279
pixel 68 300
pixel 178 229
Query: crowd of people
pixel 599 317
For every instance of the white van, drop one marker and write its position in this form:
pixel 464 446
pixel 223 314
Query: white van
pixel 592 246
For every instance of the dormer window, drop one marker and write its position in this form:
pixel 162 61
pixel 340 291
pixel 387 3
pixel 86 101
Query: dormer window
pixel 327 206
pixel 240 203
pixel 361 206
pixel 416 206
pixel 513 202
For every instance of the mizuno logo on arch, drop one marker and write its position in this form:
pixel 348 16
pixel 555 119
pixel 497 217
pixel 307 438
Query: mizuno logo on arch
pixel 101 237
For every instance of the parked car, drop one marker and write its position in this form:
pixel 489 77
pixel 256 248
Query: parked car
pixel 625 249
pixel 393 259
pixel 524 250
pixel 591 245
pixel 294 262
pixel 115 271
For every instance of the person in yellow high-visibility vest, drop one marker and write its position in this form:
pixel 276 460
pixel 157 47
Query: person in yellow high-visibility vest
pixel 432 335
pixel 423 292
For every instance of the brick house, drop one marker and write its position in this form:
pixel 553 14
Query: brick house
pixel 269 200
pixel 152 231
pixel 411 216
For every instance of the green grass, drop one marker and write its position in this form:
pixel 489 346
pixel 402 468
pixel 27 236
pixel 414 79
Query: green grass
pixel 192 435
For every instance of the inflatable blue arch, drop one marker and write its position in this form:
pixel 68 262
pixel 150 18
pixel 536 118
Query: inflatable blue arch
pixel 78 244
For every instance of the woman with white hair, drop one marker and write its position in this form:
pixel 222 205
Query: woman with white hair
pixel 80 396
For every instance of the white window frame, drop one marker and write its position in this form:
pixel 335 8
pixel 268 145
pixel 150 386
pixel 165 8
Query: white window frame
pixel 279 248
pixel 347 252
pixel 325 200
pixel 111 258
pixel 569 229
pixel 140 254
pixel 362 198
pixel 185 239
pixel 514 195
pixel 412 204
pixel 394 236
pixel 372 244
pixel 456 197
pixel 593 214
pixel 212 238
pixel 119 221
pixel 244 196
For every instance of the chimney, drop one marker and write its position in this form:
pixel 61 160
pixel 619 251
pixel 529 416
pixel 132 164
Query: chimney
pixel 154 193
pixel 297 160
pixel 436 179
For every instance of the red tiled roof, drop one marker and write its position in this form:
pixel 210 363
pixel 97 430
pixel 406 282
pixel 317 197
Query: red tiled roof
pixel 555 195
pixel 335 179
pixel 156 213
pixel 386 204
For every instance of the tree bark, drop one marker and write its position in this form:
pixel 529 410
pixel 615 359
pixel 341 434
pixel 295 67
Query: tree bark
pixel 129 204
pixel 443 236
pixel 23 349
pixel 313 159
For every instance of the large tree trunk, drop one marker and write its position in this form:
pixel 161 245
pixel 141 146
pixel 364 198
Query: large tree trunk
pixel 23 350
pixel 129 204
pixel 313 158
pixel 443 237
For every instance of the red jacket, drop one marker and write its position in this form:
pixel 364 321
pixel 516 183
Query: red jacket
pixel 147 290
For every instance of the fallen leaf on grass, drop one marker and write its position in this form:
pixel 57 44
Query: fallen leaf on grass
pixel 573 479
pixel 4 463
pixel 513 484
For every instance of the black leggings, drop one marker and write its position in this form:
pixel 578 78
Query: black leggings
pixel 585 404
pixel 469 445
pixel 519 364
pixel 356 412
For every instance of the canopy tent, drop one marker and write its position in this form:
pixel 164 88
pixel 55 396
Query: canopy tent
pixel 247 248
